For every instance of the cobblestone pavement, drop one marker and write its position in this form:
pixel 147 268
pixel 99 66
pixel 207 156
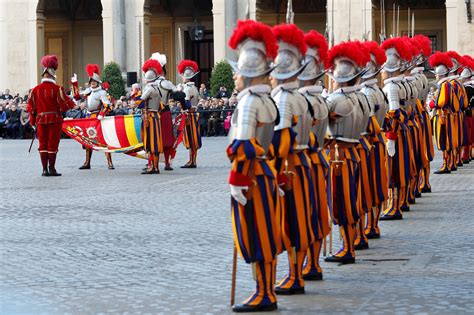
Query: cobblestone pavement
pixel 117 242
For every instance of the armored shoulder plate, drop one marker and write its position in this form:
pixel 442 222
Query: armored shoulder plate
pixel 151 94
pixel 254 117
pixel 321 113
pixel 95 99
pixel 345 127
pixel 393 92
pixel 192 93
pixel 365 111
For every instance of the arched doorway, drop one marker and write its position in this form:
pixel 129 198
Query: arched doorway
pixel 170 24
pixel 72 30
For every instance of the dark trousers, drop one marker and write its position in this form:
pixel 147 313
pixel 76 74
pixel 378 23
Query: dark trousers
pixel 13 129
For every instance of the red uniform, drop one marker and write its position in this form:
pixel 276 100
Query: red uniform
pixel 45 104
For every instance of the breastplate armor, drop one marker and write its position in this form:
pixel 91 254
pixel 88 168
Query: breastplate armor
pixel 151 95
pixel 344 128
pixel 95 99
pixel 254 117
pixel 364 108
pixel 321 113
pixel 191 92
pixel 376 102
pixel 394 93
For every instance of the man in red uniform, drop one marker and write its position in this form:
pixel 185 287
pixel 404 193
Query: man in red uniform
pixel 45 104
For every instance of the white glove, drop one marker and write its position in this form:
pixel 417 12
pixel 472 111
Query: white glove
pixel 281 192
pixel 100 117
pixel 74 78
pixel 391 147
pixel 237 193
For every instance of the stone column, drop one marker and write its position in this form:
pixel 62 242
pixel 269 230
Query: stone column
pixel 108 30
pixel 350 23
pixel 3 52
pixel 231 12
pixel 459 32
pixel 218 11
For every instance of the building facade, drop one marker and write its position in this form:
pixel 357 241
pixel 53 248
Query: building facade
pixel 128 31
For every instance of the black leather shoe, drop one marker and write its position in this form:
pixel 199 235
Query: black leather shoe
pixel 362 246
pixel 405 208
pixel 418 195
pixel 53 172
pixel 168 168
pixel 85 167
pixel 426 190
pixel 189 166
pixel 465 161
pixel 445 171
pixel 242 308
pixel 342 260
pixel 45 173
pixel 397 216
pixel 313 277
pixel 111 167
pixel 289 291
pixel 152 171
pixel 459 164
pixel 411 201
pixel 372 235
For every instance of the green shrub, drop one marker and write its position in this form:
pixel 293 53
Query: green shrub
pixel 221 76
pixel 113 75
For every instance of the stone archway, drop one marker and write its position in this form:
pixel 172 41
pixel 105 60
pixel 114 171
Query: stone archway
pixel 72 30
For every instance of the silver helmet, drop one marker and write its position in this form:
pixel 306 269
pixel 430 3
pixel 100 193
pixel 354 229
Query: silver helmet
pixel 467 73
pixel 371 69
pixel 288 62
pixel 252 61
pixel 345 70
pixel 440 70
pixel 455 66
pixel 151 75
pixel 313 69
pixel 394 61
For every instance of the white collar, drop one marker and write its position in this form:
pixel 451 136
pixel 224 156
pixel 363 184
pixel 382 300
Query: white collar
pixel 96 89
pixel 190 83
pixel 417 70
pixel 409 78
pixel 312 89
pixel 394 79
pixel 469 82
pixel 370 82
pixel 347 89
pixel 293 85
pixel 48 80
pixel 441 81
pixel 257 89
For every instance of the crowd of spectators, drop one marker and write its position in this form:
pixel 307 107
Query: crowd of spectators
pixel 14 119
pixel 214 118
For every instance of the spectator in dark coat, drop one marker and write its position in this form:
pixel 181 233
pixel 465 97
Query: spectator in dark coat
pixel 13 122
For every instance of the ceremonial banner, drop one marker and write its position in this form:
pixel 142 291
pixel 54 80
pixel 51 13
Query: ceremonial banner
pixel 114 134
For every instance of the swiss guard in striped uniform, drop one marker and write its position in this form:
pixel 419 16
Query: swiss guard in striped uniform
pixel 46 103
pixel 151 97
pixel 253 184
pixel 459 104
pixel 467 78
pixel 311 90
pixel 166 119
pixel 293 165
pixel 345 128
pixel 378 157
pixel 395 126
pixel 442 104
pixel 188 69
pixel 98 105
pixel 421 83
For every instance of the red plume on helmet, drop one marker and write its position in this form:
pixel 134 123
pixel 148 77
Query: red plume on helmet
pixel 413 49
pixel 440 58
pixel 187 64
pixel 152 64
pixel 290 34
pixel 256 31
pixel 50 61
pixel 399 45
pixel 91 69
pixel 454 55
pixel 350 50
pixel 106 86
pixel 467 62
pixel 315 40
pixel 424 43
pixel 374 49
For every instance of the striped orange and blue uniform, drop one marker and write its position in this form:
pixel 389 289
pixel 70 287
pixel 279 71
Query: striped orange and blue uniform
pixel 320 214
pixel 152 133
pixel 256 227
pixel 192 136
pixel 442 121
pixel 296 228
pixel 427 145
